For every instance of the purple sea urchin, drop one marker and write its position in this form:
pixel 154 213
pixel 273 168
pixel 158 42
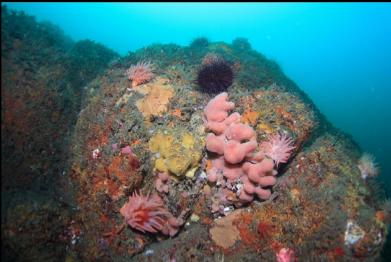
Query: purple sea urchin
pixel 215 76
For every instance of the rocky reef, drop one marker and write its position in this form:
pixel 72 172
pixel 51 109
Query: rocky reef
pixel 320 207
pixel 120 169
pixel 43 75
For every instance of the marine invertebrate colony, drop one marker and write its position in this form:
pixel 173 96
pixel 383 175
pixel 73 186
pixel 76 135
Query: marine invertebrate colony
pixel 367 166
pixel 175 152
pixel 238 163
pixel 140 73
pixel 215 76
pixel 156 97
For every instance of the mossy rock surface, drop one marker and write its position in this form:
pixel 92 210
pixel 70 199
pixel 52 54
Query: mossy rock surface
pixel 68 124
pixel 315 189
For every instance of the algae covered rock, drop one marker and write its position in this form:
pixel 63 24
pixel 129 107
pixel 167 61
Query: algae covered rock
pixel 317 191
pixel 150 138
pixel 42 78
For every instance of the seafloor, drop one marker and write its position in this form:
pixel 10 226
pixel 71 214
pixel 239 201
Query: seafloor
pixel 63 100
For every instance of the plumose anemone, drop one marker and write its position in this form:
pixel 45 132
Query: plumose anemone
pixel 145 213
pixel 215 76
pixel 140 73
pixel 278 147
pixel 367 166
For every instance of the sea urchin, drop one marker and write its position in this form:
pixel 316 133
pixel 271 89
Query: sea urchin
pixel 215 76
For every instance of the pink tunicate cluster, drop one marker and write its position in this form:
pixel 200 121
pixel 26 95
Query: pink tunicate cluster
pixel 238 167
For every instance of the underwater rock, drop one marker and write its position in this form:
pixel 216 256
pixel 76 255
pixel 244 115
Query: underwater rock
pixel 151 139
pixel 199 42
pixel 241 43
pixel 316 190
pixel 34 216
pixel 42 89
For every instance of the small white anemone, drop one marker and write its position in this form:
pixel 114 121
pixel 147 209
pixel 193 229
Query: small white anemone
pixel 353 233
pixel 367 166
